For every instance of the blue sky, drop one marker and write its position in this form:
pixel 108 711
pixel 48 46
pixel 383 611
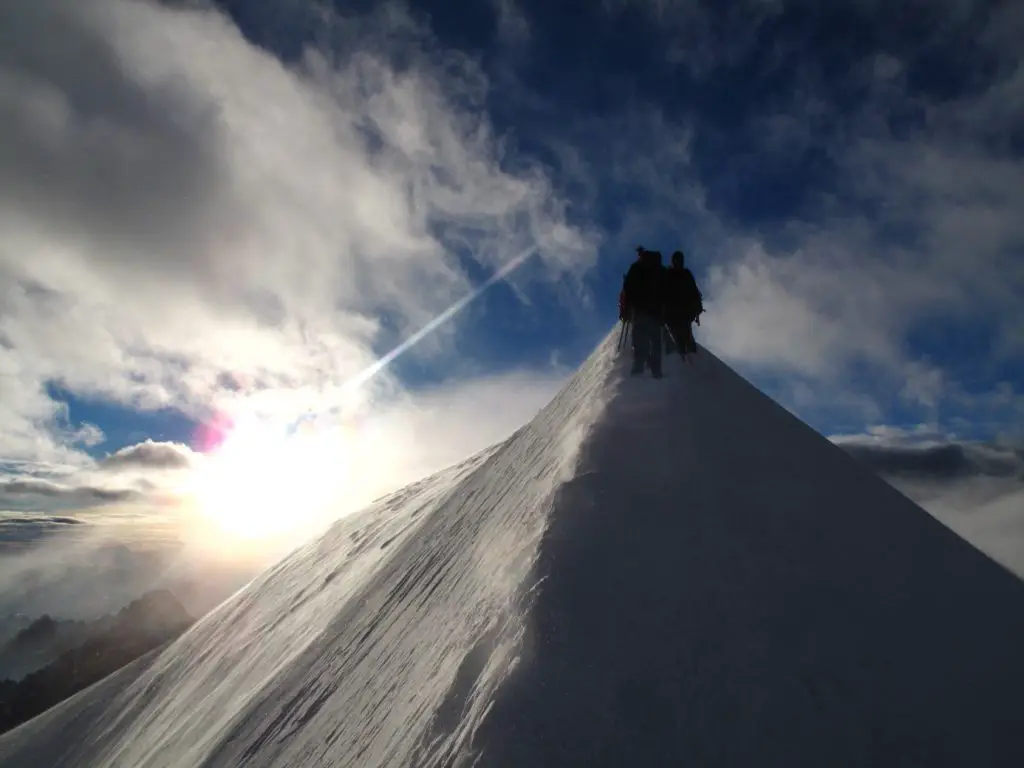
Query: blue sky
pixel 766 96
pixel 236 207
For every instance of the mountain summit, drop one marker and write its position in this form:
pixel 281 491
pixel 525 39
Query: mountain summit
pixel 649 573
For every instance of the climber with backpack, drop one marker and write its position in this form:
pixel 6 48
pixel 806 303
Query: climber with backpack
pixel 642 305
pixel 683 304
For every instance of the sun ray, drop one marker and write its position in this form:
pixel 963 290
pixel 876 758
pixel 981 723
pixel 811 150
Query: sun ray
pixel 260 478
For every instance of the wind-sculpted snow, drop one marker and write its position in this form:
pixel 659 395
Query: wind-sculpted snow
pixel 650 573
pixel 722 586
pixel 380 644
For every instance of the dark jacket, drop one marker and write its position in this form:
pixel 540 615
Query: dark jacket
pixel 682 297
pixel 643 287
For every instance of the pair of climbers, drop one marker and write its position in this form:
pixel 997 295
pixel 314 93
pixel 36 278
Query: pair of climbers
pixel 655 297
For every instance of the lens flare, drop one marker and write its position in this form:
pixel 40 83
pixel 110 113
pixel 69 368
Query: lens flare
pixel 260 479
pixel 264 480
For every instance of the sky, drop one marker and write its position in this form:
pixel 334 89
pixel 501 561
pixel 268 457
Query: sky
pixel 219 217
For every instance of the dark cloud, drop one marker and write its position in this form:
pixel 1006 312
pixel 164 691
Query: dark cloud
pixel 948 461
pixel 18 531
pixel 92 149
pixel 974 488
pixel 28 494
pixel 149 455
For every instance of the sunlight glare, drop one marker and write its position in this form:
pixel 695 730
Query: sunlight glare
pixel 260 481
pixel 264 480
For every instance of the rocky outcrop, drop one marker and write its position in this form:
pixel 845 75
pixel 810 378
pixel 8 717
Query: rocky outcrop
pixel 40 643
pixel 106 645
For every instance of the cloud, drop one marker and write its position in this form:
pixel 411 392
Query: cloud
pixel 150 455
pixel 137 540
pixel 456 420
pixel 18 531
pixel 977 489
pixel 46 495
pixel 902 241
pixel 853 227
pixel 192 224
pixel 338 466
pixel 915 455
pixel 821 308
pixel 75 570
pixel 180 206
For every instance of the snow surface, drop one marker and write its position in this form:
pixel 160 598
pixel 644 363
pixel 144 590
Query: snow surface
pixel 673 572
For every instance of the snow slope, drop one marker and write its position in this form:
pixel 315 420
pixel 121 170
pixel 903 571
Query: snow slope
pixel 672 572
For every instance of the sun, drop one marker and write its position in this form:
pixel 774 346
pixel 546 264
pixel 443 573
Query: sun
pixel 264 480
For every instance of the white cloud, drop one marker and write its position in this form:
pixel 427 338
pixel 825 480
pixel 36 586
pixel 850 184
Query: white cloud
pixel 914 227
pixel 904 221
pixel 72 569
pixel 191 223
pixel 820 310
pixel 178 206
pixel 444 424
pixel 130 504
pixel 150 455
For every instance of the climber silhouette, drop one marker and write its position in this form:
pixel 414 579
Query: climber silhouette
pixel 643 305
pixel 683 304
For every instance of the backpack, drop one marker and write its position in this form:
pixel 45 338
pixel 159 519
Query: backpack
pixel 694 298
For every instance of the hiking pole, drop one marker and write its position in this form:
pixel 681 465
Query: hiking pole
pixel 622 334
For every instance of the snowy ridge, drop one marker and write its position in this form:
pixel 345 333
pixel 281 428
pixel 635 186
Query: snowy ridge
pixel 723 586
pixel 376 645
pixel 672 572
